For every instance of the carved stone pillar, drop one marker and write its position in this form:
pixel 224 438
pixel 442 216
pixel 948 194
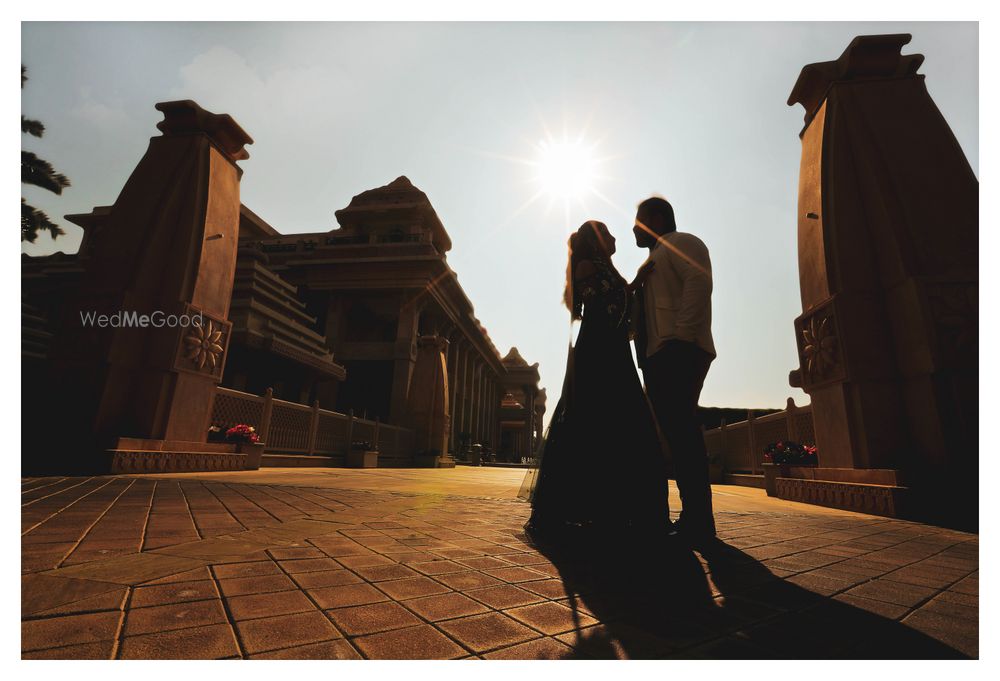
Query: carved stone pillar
pixel 461 393
pixel 404 359
pixel 167 249
pixel 467 405
pixel 452 376
pixel 888 260
pixel 529 419
pixel 427 411
pixel 477 408
pixel 483 403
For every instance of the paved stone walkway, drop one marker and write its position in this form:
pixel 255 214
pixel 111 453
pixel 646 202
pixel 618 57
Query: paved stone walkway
pixel 416 563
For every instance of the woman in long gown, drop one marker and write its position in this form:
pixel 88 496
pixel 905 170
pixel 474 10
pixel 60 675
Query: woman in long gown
pixel 601 464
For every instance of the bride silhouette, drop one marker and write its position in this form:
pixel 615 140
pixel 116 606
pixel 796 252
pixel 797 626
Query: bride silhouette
pixel 601 466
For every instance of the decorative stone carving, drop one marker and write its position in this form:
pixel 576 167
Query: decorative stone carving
pixel 201 349
pixel 123 462
pixel 874 499
pixel 819 346
pixel 204 345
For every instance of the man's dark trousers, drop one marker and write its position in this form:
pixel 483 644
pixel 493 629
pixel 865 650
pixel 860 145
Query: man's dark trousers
pixel 674 376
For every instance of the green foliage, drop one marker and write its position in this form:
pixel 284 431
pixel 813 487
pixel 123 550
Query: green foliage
pixel 33 221
pixel 39 173
pixel 32 127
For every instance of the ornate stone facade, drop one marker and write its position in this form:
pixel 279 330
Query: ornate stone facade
pixel 375 285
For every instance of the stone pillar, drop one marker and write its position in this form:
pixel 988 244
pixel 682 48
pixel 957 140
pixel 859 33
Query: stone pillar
pixel 404 359
pixel 484 404
pixel 496 417
pixel 452 375
pixel 485 407
pixel 460 391
pixel 888 231
pixel 529 417
pixel 488 410
pixel 467 387
pixel 167 247
pixel 497 396
pixel 427 410
pixel 477 412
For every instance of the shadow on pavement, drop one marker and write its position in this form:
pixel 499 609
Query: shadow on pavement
pixel 656 599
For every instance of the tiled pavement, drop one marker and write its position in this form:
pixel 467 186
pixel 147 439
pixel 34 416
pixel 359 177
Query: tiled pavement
pixel 341 564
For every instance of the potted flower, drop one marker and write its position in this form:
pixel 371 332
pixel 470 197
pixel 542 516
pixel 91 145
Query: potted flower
pixel 247 442
pixel 362 455
pixel 779 457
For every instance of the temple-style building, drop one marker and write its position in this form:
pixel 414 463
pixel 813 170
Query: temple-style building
pixel 521 408
pixel 333 319
pixel 371 288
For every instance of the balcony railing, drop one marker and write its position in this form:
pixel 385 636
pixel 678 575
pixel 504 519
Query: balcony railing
pixel 290 428
pixel 739 446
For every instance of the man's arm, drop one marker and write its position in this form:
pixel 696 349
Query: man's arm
pixel 692 264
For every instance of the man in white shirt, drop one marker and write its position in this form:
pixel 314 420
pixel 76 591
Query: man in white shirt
pixel 675 348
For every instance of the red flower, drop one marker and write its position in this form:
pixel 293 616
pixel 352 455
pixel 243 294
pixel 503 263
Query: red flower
pixel 242 433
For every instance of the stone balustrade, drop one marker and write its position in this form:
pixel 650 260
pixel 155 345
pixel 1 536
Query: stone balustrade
pixel 299 429
pixel 738 447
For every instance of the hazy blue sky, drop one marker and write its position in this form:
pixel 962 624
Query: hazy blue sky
pixel 694 112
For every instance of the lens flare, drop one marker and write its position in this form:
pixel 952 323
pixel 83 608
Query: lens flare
pixel 566 169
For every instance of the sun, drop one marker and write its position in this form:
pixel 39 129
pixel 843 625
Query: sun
pixel 566 169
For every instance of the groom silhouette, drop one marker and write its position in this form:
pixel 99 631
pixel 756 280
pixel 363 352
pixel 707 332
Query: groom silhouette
pixel 674 348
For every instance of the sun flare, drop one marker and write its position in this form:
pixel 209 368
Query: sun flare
pixel 566 169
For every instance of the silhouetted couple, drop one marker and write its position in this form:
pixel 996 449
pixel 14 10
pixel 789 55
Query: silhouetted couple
pixel 603 466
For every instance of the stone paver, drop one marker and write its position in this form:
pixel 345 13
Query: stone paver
pixel 423 563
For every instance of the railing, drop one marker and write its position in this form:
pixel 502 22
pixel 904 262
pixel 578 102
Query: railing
pixel 739 446
pixel 290 428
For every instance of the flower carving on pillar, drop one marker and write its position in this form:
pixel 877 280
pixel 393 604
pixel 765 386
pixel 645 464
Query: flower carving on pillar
pixel 819 346
pixel 203 345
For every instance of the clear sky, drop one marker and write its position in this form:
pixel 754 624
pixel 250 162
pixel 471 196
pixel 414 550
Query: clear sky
pixel 692 111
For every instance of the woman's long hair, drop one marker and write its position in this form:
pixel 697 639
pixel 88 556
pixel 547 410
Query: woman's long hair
pixel 584 244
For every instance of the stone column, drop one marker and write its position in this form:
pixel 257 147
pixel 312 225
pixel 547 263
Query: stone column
pixel 529 419
pixel 168 247
pixel 477 412
pixel 497 396
pixel 467 386
pixel 484 404
pixel 404 358
pixel 487 406
pixel 888 230
pixel 461 393
pixel 480 412
pixel 427 411
pixel 470 417
pixel 496 416
pixel 452 374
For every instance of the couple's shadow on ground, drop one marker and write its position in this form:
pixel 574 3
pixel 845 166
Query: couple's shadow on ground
pixel 660 599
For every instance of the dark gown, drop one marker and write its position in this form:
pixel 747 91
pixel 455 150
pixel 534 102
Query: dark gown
pixel 601 463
